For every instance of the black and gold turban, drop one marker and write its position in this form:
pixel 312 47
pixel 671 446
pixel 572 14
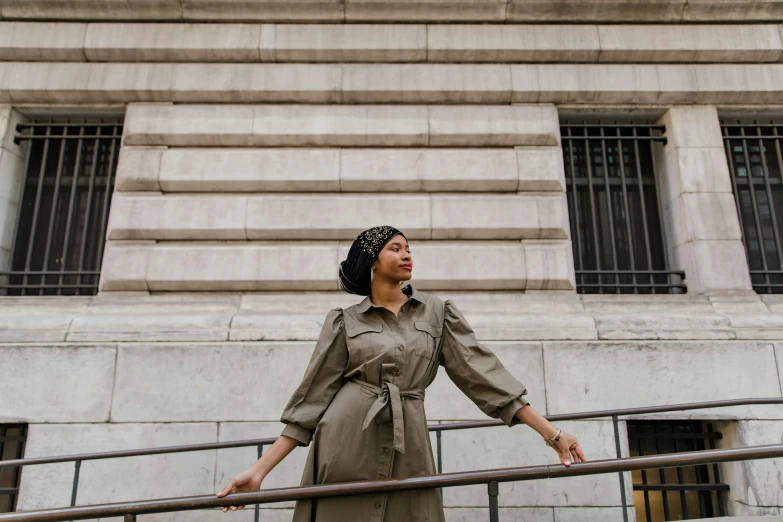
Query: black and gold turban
pixel 354 271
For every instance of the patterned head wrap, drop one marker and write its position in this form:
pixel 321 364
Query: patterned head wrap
pixel 354 271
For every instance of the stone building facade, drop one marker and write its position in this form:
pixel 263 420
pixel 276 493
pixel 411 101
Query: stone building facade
pixel 245 144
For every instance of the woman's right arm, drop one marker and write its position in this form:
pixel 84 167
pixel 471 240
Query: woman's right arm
pixel 250 479
pixel 322 379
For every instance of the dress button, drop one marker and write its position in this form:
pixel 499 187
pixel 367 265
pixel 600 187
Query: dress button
pixel 398 373
pixel 389 424
pixel 385 451
pixel 377 505
pixel 381 475
pixel 400 348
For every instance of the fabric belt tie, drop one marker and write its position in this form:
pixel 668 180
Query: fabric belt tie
pixel 390 393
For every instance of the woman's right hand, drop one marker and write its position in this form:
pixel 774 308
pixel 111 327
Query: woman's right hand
pixel 247 481
pixel 568 449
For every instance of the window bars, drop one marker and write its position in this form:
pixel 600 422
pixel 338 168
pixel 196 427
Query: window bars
pixel 61 224
pixel 680 493
pixel 614 209
pixel 12 441
pixel 755 165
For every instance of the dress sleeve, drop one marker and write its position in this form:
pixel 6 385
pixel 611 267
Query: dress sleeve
pixel 477 371
pixel 322 379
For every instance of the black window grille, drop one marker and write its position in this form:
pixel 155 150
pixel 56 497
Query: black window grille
pixel 683 492
pixel 755 164
pixel 69 180
pixel 614 209
pixel 12 441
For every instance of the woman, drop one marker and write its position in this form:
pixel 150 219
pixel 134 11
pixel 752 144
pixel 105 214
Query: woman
pixel 361 398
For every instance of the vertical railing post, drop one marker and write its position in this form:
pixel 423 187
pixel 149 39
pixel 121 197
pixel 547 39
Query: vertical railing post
pixel 77 466
pixel 440 459
pixel 492 491
pixel 258 506
pixel 129 518
pixel 622 477
pixel 716 471
pixel 438 444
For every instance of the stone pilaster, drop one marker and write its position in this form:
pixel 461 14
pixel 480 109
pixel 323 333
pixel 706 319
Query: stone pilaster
pixel 702 230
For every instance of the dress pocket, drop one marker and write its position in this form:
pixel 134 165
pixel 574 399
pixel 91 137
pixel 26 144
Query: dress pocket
pixel 427 338
pixel 365 339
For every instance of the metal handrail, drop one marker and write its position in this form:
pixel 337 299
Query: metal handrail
pixel 491 477
pixel 437 428
pixel 432 427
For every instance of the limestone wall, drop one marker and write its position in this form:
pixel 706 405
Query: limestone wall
pixel 116 372
pixel 254 151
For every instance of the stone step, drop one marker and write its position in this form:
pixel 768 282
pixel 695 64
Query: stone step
pixel 312 265
pixel 340 170
pixel 559 11
pixel 320 83
pixel 184 42
pixel 341 126
pixel 280 316
pixel 223 217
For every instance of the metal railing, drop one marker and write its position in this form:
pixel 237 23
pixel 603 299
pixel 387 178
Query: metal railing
pixel 756 168
pixel 614 209
pixel 130 510
pixel 437 428
pixel 64 210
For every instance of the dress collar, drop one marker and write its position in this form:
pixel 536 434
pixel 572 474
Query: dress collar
pixel 408 290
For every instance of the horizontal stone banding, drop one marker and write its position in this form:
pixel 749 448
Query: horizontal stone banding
pixel 312 265
pixel 485 84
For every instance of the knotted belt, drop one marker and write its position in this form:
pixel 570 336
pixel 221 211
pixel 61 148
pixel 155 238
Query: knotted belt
pixel 390 393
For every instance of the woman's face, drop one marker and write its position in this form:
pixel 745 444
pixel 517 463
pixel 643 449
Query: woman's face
pixel 394 260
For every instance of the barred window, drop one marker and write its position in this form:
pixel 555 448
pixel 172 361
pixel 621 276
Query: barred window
pixel 678 493
pixel 12 441
pixel 614 209
pixel 64 209
pixel 755 165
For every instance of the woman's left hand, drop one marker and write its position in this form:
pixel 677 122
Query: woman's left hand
pixel 568 449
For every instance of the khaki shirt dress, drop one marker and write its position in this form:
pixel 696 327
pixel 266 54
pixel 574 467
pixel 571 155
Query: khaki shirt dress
pixel 361 402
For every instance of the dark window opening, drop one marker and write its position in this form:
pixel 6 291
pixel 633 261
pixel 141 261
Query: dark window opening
pixel 614 209
pixel 64 210
pixel 12 441
pixel 679 493
pixel 755 165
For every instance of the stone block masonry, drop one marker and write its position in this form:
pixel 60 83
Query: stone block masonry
pixel 261 136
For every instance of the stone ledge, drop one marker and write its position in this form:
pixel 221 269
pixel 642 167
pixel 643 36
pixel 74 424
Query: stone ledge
pixel 495 315
pixel 139 216
pixel 559 11
pixel 205 318
pixel 460 43
pixel 176 42
pixel 42 320
pixel 310 266
pixel 40 41
pixel 341 126
pixel 302 170
pixel 46 82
